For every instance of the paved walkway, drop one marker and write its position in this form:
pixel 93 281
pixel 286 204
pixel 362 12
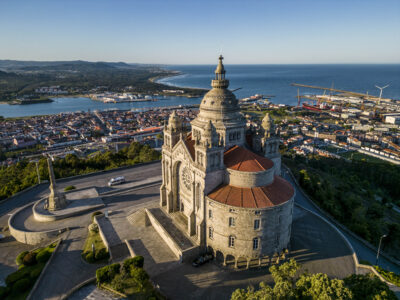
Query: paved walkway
pixel 67 269
pixel 91 292
pixel 316 245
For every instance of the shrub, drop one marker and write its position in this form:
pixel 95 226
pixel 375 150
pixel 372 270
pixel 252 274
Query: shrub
pixel 20 257
pixel 35 273
pixel 90 257
pixel 3 292
pixel 389 276
pixel 43 256
pixel 107 273
pixel 14 277
pixel 136 262
pixel 93 228
pixel 101 254
pixel 140 276
pixel 69 188
pixel 21 285
pixel 96 213
pixel 29 259
pixel 118 283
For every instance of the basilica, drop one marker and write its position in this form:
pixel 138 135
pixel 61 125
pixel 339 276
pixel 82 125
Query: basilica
pixel 223 178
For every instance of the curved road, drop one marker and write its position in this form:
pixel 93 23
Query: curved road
pixel 362 251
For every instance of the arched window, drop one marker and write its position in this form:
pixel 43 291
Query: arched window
pixel 231 241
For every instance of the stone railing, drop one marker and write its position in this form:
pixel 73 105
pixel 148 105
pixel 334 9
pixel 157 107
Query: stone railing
pixel 31 237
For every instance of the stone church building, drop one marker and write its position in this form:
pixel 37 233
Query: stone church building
pixel 223 177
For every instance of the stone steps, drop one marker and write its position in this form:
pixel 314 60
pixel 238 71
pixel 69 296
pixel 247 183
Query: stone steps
pixel 176 234
pixel 181 221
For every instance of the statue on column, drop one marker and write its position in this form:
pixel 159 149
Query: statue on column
pixel 56 199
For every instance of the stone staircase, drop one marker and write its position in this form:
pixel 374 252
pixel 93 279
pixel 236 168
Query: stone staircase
pixel 174 231
pixel 181 221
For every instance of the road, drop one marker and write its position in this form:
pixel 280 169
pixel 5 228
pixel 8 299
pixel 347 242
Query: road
pixel 363 252
pixel 123 197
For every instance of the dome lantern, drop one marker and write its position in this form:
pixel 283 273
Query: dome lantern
pixel 220 81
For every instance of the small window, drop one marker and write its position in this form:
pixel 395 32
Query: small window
pixel 210 232
pixel 256 224
pixel 210 215
pixel 255 243
pixel 232 221
pixel 232 210
pixel 257 212
pixel 231 241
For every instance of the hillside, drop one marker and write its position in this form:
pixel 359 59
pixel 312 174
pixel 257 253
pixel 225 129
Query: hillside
pixel 22 77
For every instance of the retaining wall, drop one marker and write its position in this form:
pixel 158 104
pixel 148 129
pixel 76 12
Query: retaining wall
pixel 43 271
pixel 31 237
pixel 53 217
pixel 102 235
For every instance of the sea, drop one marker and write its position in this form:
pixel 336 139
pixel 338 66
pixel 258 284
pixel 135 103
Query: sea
pixel 273 81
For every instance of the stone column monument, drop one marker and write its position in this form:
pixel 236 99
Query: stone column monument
pixel 56 200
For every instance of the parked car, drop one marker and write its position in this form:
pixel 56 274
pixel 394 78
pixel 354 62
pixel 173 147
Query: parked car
pixel 202 260
pixel 116 180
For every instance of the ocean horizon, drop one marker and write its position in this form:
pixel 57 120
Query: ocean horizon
pixel 267 79
pixel 276 79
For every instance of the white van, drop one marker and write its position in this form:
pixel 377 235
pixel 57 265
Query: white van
pixel 116 180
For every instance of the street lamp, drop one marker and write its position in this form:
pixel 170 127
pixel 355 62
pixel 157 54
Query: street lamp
pixel 37 169
pixel 379 248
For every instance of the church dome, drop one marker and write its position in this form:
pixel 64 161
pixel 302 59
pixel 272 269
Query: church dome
pixel 219 104
pixel 217 99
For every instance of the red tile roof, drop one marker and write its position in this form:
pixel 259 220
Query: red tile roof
pixel 240 159
pixel 280 191
pixel 190 145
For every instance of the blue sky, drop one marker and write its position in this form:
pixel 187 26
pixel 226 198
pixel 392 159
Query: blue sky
pixel 196 31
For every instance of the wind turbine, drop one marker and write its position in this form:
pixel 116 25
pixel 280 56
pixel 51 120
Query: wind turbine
pixel 380 94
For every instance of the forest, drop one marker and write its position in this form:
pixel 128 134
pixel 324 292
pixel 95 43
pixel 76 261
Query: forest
pixel 358 194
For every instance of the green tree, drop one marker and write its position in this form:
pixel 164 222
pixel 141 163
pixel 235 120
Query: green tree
pixel 289 285
pixel 319 286
pixel 368 287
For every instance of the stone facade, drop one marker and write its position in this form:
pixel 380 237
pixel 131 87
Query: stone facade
pixel 223 172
